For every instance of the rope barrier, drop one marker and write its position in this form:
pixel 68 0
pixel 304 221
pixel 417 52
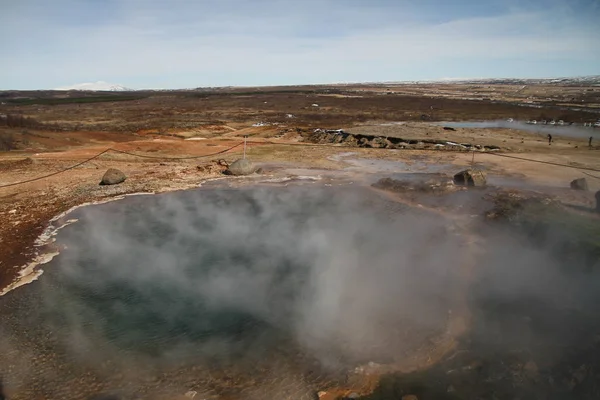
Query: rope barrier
pixel 472 161
pixel 55 173
pixel 177 158
pixel 593 176
pixel 122 152
pixel 273 143
pixel 545 162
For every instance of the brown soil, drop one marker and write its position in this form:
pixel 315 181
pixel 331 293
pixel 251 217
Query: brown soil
pixel 158 126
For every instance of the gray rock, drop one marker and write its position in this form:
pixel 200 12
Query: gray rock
pixel 112 177
pixel 241 167
pixel 470 177
pixel 579 184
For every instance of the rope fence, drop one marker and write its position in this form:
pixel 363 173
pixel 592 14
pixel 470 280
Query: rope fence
pixel 121 152
pixel 581 168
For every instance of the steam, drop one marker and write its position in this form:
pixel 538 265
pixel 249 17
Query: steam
pixel 274 280
pixel 330 268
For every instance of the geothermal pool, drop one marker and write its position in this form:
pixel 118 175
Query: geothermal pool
pixel 279 292
pixel 271 292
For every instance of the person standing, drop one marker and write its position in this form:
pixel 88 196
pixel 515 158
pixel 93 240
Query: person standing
pixel 549 139
pixel 590 142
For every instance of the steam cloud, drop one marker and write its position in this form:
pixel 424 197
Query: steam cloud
pixel 235 277
pixel 329 267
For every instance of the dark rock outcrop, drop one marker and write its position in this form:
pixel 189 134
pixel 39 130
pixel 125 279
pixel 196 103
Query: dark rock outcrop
pixel 113 177
pixel 341 137
pixel 241 167
pixel 470 177
pixel 579 184
pixel 427 183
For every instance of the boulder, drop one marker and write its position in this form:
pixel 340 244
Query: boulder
pixel 428 183
pixel 579 184
pixel 241 167
pixel 112 177
pixel 470 177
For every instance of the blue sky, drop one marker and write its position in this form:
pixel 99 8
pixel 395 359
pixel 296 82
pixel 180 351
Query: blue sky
pixel 187 43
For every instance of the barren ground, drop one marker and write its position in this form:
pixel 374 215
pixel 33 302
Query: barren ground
pixel 161 124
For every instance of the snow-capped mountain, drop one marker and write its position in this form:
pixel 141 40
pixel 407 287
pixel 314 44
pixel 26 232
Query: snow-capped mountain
pixel 96 86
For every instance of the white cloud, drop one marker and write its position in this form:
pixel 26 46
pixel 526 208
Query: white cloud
pixel 184 46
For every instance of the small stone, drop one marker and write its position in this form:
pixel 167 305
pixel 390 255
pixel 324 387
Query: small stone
pixel 241 167
pixel 579 184
pixel 470 177
pixel 112 177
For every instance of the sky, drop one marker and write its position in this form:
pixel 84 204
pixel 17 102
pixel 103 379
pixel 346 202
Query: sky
pixel 168 44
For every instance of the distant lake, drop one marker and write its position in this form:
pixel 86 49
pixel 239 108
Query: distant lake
pixel 558 130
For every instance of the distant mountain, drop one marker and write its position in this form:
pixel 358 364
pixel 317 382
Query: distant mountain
pixel 96 86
